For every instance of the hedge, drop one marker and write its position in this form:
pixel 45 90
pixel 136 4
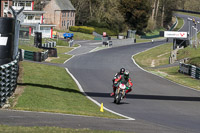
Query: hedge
pixel 90 30
pixel 108 32
pixel 83 29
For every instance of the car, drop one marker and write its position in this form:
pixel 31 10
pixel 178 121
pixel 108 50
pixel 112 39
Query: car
pixel 68 35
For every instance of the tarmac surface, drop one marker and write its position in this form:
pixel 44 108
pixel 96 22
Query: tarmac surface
pixel 156 104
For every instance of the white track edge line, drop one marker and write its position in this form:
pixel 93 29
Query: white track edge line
pixel 94 101
pixel 156 74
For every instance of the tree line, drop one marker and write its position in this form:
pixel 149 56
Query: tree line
pixel 121 15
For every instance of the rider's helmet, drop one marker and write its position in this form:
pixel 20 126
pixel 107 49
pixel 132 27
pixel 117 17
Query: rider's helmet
pixel 122 70
pixel 126 74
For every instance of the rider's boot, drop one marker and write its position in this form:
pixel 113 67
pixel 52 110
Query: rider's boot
pixel 113 93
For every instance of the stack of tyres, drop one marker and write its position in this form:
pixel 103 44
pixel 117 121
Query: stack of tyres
pixel 45 55
pixel 37 56
pixel 7 29
pixel 8 80
pixel 193 71
pixel 52 52
pixel 29 55
pixel 3 87
pixel 197 73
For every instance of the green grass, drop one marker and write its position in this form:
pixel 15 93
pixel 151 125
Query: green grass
pixel 82 36
pixel 30 48
pixel 79 35
pixel 173 74
pixel 61 56
pixel 159 56
pixel 192 53
pixel 19 129
pixel 189 14
pixel 51 89
pixel 179 25
pixel 155 32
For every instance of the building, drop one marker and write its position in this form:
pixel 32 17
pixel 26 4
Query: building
pixel 5 4
pixel 61 13
pixel 33 20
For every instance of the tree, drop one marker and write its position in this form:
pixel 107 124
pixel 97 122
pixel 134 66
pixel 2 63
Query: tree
pixel 103 13
pixel 136 13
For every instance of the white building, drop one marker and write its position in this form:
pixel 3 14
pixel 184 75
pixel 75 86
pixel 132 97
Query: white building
pixel 33 20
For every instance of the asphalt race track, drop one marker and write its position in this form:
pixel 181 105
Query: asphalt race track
pixel 153 99
pixel 156 104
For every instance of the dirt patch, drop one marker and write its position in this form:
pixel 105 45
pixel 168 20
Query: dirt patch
pixel 153 63
pixel 51 58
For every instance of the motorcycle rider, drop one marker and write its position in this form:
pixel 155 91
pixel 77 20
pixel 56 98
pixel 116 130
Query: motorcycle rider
pixel 121 72
pixel 124 79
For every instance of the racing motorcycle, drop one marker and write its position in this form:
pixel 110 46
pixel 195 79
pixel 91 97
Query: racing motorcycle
pixel 120 93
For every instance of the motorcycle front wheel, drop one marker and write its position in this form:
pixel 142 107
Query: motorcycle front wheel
pixel 118 98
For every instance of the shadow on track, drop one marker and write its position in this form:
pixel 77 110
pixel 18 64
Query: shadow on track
pixel 50 87
pixel 147 97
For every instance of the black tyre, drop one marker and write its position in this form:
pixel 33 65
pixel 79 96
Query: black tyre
pixel 118 98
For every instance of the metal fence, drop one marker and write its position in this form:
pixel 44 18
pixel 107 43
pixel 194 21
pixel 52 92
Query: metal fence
pixel 8 80
pixel 191 70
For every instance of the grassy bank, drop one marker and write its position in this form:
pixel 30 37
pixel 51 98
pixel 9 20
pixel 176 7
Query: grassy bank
pixel 51 89
pixel 193 54
pixel 160 56
pixel 18 129
pixel 156 57
pixel 179 25
pixel 62 57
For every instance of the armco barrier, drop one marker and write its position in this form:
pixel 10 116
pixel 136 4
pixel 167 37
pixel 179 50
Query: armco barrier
pixel 8 80
pixel 191 70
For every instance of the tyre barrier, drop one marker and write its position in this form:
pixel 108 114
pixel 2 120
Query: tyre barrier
pixel 34 56
pixel 8 80
pixel 190 70
pixel 52 52
pixel 48 45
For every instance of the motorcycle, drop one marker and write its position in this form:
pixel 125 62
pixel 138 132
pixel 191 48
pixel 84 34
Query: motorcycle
pixel 120 93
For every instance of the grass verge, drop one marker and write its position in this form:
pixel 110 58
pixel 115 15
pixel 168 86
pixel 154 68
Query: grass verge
pixel 179 25
pixel 156 57
pixel 62 57
pixel 172 73
pixel 18 129
pixel 159 56
pixel 51 89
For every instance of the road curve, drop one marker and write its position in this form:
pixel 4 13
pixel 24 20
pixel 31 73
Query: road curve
pixel 158 105
pixel 154 99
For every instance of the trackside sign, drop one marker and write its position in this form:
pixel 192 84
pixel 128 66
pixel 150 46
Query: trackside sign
pixel 175 34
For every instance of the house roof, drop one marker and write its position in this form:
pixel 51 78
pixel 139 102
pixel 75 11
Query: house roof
pixel 65 5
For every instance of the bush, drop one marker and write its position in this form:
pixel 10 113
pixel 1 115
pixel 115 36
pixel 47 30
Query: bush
pixel 83 29
pixel 108 32
pixel 94 23
pixel 90 30
pixel 194 61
